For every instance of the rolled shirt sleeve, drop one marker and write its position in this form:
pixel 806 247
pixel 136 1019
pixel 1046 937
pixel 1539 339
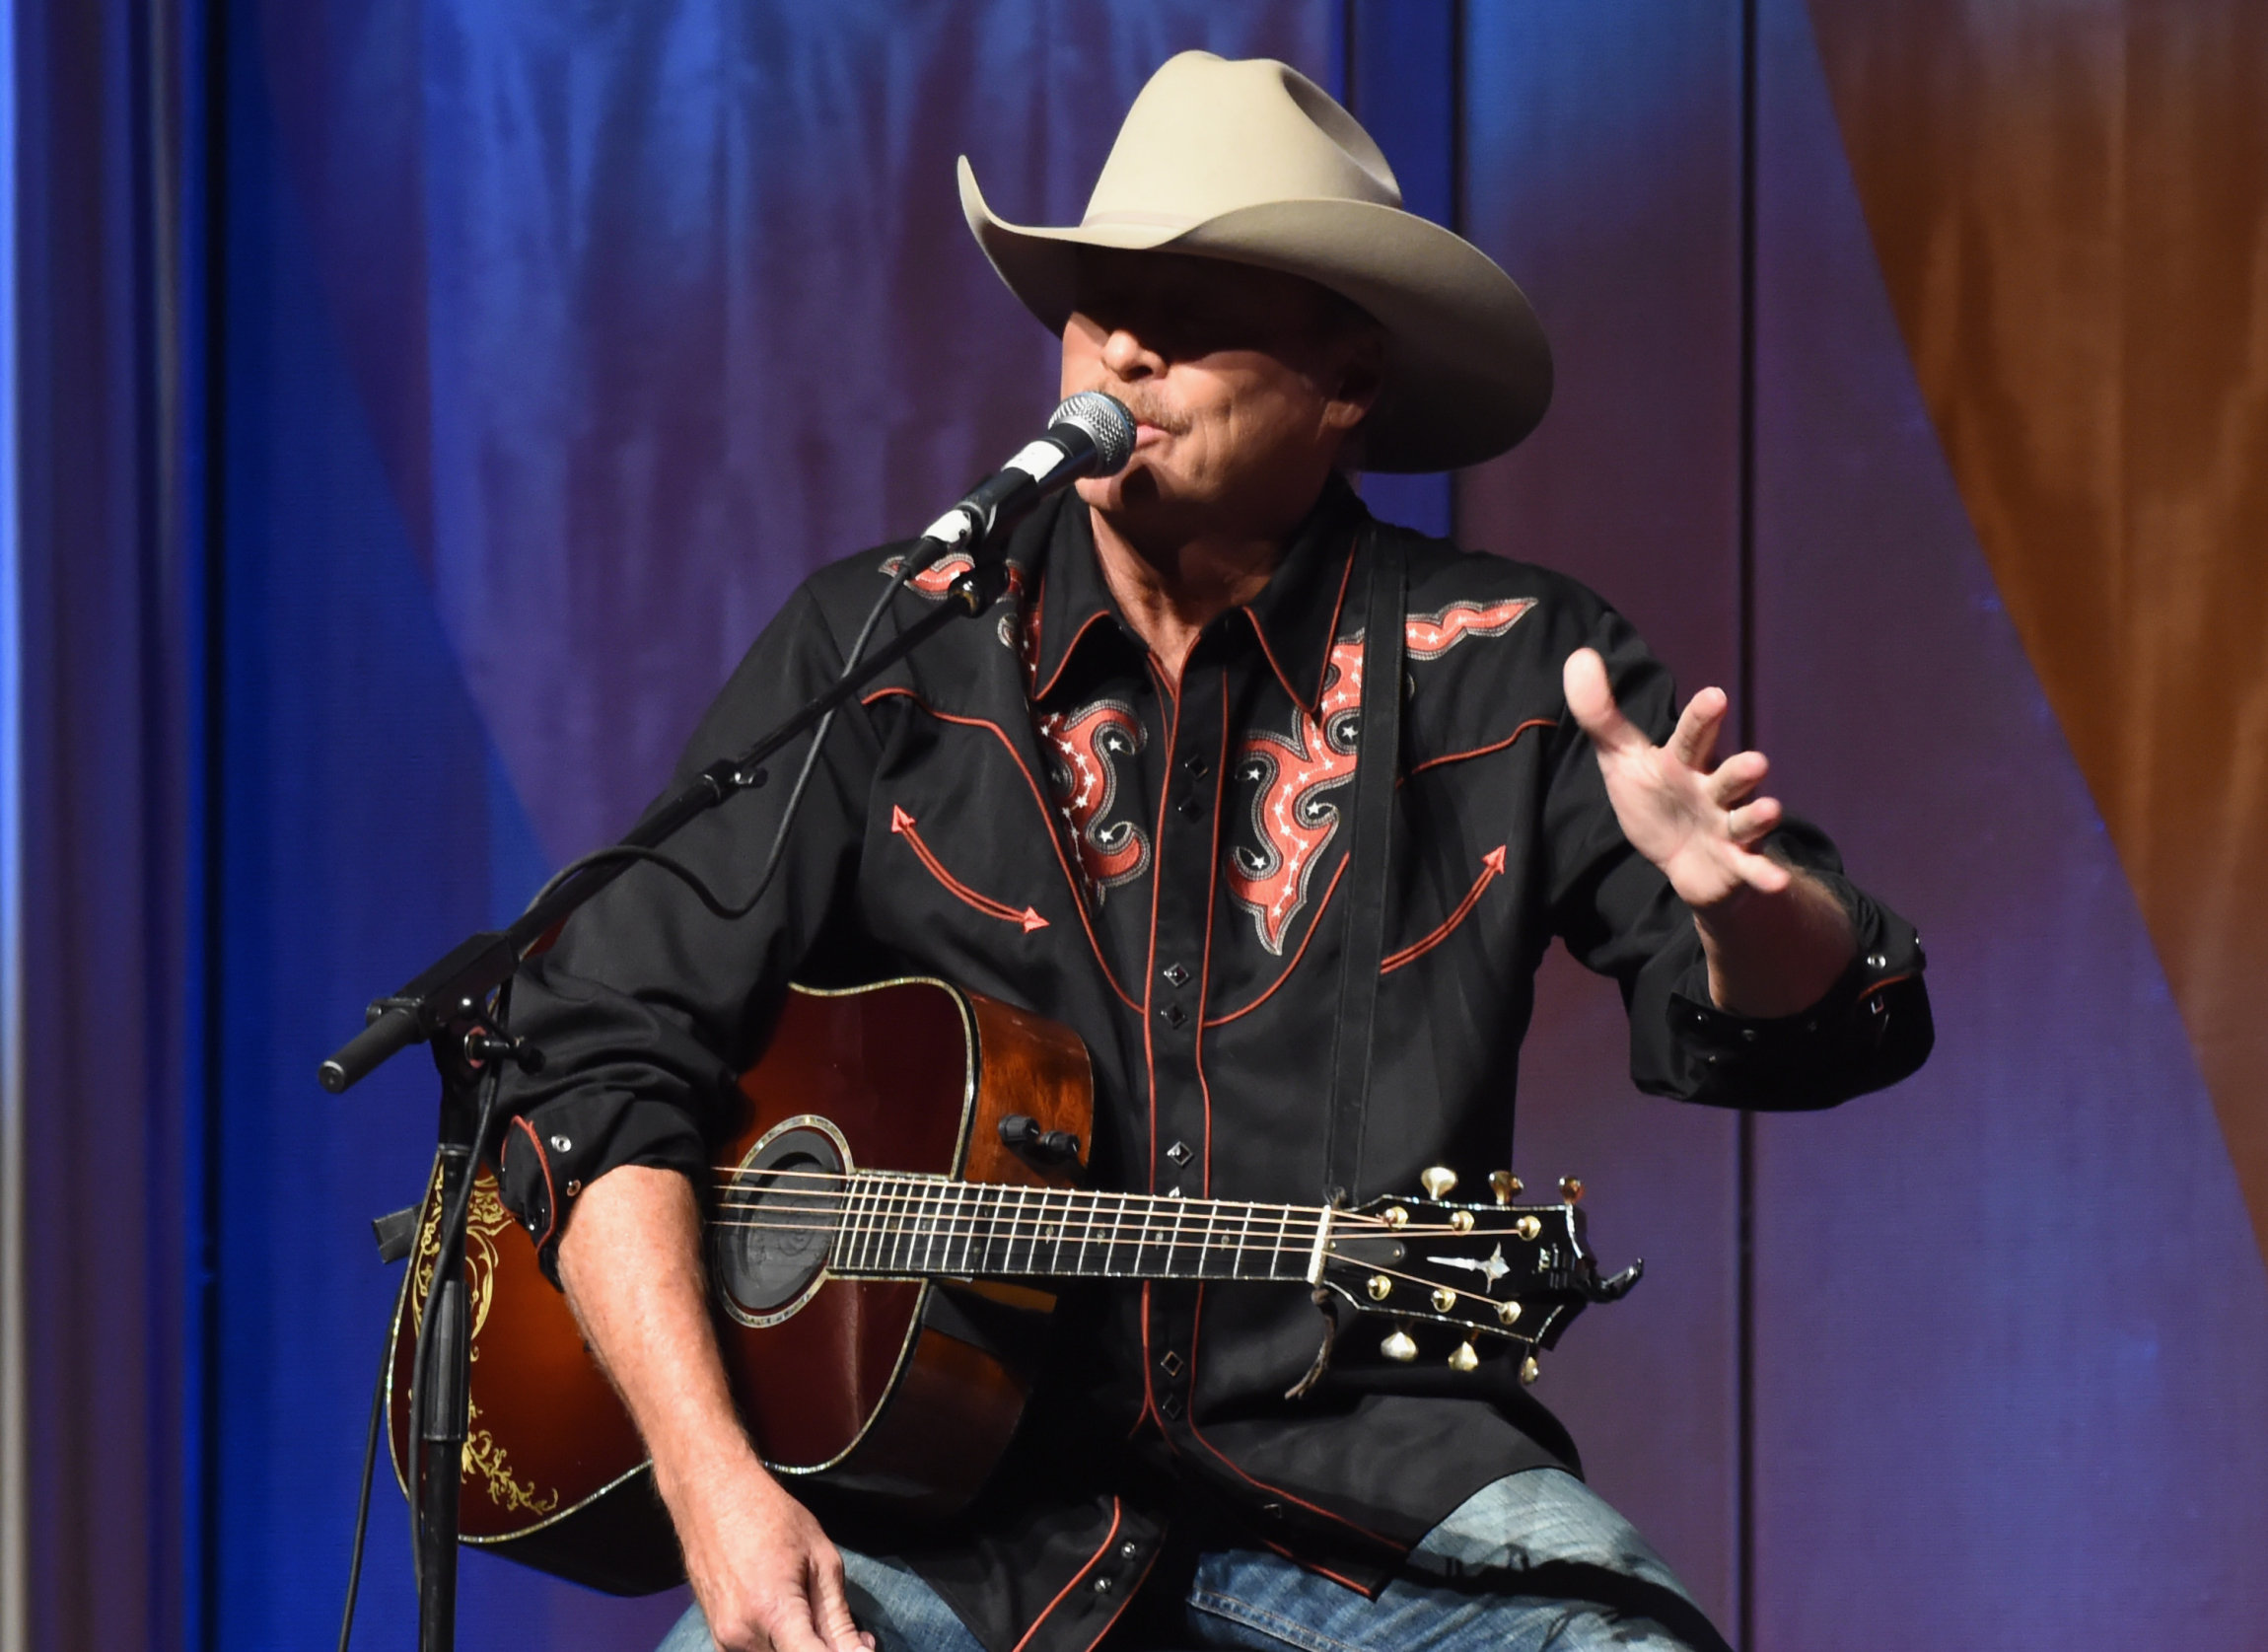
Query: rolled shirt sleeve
pixel 649 1005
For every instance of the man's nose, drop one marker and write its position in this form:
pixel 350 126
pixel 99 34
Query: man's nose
pixel 1128 357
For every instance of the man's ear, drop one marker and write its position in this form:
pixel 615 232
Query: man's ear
pixel 1361 377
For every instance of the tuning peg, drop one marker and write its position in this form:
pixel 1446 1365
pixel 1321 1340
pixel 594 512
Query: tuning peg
pixel 1444 1299
pixel 1439 1183
pixel 1570 1189
pixel 1399 1346
pixel 1396 1217
pixel 1528 1227
pixel 1508 1314
pixel 1464 1357
pixel 1504 1184
pixel 1462 1220
pixel 1379 1287
pixel 1530 1370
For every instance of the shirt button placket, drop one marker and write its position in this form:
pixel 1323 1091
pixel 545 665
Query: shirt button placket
pixel 1185 873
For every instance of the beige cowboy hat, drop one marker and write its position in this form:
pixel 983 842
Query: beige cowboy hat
pixel 1252 162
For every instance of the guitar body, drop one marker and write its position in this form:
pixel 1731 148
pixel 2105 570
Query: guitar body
pixel 865 1387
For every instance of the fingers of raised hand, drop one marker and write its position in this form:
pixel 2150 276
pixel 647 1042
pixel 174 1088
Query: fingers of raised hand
pixel 1735 780
pixel 1747 824
pixel 1591 700
pixel 1694 741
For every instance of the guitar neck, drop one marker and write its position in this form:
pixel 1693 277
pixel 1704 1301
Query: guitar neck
pixel 905 1226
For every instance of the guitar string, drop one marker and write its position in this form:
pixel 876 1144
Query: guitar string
pixel 924 1219
pixel 904 1187
pixel 954 1214
pixel 953 1217
pixel 882 1270
pixel 733 1173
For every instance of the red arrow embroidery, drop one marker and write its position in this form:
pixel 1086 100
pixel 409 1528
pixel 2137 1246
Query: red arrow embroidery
pixel 1491 869
pixel 902 824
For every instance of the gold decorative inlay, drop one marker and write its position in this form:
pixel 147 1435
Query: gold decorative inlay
pixel 488 1465
pixel 484 1222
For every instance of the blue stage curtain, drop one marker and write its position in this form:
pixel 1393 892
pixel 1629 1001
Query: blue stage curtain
pixel 106 354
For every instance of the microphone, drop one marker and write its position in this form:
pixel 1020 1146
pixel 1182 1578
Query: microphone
pixel 1090 435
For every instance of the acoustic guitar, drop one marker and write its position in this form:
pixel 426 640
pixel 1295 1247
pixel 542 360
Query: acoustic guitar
pixel 901 1175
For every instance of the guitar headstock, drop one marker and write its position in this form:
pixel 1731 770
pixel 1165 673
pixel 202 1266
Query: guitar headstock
pixel 1473 1278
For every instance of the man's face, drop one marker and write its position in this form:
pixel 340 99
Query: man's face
pixel 1244 384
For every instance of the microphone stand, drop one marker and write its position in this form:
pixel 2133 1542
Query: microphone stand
pixel 456 1006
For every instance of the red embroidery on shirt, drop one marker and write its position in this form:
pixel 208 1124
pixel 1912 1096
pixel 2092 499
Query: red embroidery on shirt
pixel 902 824
pixel 1290 820
pixel 1491 869
pixel 1083 777
pixel 937 579
pixel 1431 635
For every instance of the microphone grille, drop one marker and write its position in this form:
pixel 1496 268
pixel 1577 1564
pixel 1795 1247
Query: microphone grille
pixel 1107 424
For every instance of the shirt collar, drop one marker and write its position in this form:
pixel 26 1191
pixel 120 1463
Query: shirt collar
pixel 1295 616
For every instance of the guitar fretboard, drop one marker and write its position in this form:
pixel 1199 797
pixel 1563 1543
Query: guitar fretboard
pixel 921 1226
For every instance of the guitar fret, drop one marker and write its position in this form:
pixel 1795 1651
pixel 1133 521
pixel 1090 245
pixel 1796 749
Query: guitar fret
pixel 862 1224
pixel 958 1229
pixel 939 1227
pixel 846 1241
pixel 1173 1235
pixel 1055 1262
pixel 918 1230
pixel 1236 1261
pixel 1283 1230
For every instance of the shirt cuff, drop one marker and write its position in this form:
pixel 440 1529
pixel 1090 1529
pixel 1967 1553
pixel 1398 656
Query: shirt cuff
pixel 552 1151
pixel 1872 1028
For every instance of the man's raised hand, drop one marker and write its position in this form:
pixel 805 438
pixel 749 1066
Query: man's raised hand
pixel 1775 939
pixel 1696 819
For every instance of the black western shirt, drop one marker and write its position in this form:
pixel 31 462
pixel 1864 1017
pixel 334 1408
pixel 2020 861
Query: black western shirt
pixel 1029 807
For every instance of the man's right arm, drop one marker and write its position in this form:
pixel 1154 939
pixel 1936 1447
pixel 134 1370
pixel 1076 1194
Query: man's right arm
pixel 766 1576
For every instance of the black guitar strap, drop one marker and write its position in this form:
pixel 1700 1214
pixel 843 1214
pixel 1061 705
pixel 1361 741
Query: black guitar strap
pixel 1367 849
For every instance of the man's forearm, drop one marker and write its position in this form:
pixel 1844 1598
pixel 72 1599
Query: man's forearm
pixel 631 1264
pixel 766 1576
pixel 1775 954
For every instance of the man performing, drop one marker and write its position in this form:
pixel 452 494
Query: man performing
pixel 1127 806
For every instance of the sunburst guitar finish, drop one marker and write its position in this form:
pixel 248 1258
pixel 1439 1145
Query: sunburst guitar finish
pixel 839 1379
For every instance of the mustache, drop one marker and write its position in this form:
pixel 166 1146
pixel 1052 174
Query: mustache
pixel 1147 409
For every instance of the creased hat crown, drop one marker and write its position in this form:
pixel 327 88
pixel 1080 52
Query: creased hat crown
pixel 1207 136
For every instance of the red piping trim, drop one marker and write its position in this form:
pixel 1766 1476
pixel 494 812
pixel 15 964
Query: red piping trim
pixel 1889 981
pixel 1115 1517
pixel 1197 1337
pixel 1126 1600
pixel 1046 815
pixel 550 1193
pixel 1297 952
pixel 1491 869
pixel 1481 751
pixel 1028 921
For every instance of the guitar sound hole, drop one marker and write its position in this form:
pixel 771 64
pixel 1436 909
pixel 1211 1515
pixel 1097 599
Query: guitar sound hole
pixel 775 1220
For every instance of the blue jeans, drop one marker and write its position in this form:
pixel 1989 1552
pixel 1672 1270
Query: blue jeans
pixel 1535 1562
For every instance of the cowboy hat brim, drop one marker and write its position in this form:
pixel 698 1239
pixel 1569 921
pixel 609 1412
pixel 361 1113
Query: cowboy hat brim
pixel 1468 373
